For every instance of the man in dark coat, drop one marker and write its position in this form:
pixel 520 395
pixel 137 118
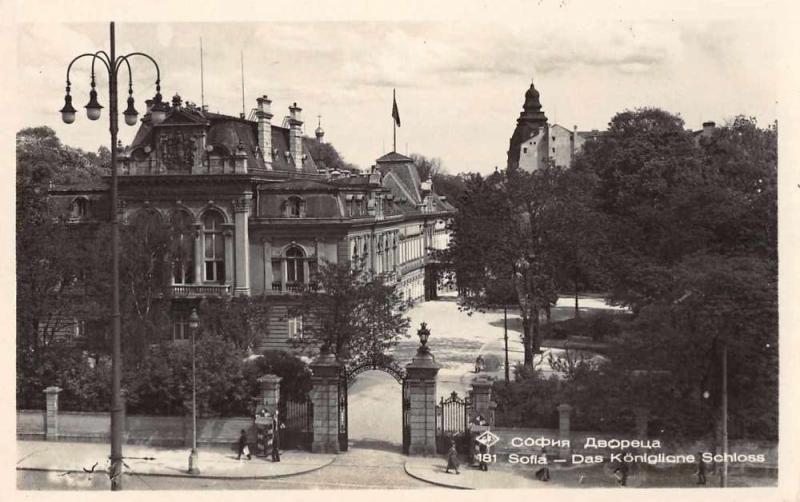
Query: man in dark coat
pixel 452 459
pixel 243 448
pixel 484 466
pixel 276 434
pixel 701 470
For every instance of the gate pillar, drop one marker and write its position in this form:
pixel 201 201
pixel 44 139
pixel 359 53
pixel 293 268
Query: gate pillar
pixel 482 399
pixel 421 381
pixel 325 377
pixel 270 392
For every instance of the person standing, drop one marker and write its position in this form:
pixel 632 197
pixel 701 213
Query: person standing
pixel 483 453
pixel 452 459
pixel 276 434
pixel 701 470
pixel 243 448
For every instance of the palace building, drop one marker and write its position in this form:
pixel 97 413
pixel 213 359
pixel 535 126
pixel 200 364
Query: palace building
pixel 264 213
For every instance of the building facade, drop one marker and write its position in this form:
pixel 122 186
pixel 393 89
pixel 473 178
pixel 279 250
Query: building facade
pixel 535 143
pixel 255 215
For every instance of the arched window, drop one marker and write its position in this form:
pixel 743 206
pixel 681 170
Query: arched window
pixel 80 208
pixel 294 265
pixel 182 248
pixel 214 247
pixel 294 207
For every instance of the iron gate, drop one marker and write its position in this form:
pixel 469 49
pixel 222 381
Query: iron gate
pixel 452 424
pixel 406 416
pixel 296 419
pixel 342 411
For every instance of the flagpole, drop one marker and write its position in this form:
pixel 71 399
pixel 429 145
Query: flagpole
pixel 394 124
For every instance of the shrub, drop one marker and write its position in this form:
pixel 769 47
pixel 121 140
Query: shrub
pixel 492 362
pixel 295 374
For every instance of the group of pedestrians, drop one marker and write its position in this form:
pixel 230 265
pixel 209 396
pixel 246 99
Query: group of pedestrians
pixel 244 448
pixel 478 458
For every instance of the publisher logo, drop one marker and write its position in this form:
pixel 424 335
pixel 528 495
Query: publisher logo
pixel 487 438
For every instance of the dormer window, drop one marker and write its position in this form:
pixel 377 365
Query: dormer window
pixel 294 207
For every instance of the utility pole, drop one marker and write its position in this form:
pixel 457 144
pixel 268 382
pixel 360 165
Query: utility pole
pixel 724 477
pixel 505 336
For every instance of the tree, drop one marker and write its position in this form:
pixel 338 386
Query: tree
pixel 351 314
pixel 48 263
pixel 326 156
pixel 427 167
pixel 694 255
pixel 237 319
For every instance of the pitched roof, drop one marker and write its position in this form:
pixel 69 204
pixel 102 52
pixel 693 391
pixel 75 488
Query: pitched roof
pixel 394 157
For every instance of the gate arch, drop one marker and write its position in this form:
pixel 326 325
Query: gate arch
pixel 347 377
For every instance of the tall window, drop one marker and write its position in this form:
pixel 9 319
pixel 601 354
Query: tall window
pixel 214 247
pixel 296 328
pixel 180 328
pixel 183 248
pixel 294 265
pixel 294 207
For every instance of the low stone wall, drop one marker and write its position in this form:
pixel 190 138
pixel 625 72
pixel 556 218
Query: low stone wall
pixel 139 429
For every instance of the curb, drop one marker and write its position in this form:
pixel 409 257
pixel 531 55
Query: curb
pixel 435 483
pixel 188 476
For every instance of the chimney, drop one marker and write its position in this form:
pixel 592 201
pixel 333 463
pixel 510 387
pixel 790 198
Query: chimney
pixel 708 127
pixel 296 136
pixel 264 116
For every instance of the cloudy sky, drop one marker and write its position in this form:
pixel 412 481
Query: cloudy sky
pixel 460 83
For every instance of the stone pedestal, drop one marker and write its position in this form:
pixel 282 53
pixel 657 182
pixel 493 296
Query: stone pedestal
pixel 325 399
pixel 564 411
pixel 51 415
pixel 482 398
pixel 421 381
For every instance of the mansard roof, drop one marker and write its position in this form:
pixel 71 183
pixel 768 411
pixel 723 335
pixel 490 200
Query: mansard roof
pixel 229 132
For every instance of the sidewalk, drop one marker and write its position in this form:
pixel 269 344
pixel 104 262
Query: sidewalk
pixel 213 462
pixel 432 470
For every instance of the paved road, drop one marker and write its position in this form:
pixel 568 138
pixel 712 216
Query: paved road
pixel 365 466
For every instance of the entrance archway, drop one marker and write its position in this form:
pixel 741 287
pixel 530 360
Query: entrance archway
pixel 375 416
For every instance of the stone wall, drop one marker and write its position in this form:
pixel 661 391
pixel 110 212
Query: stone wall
pixel 139 429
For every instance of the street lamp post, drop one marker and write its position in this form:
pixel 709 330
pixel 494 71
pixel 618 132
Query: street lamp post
pixel 505 336
pixel 112 63
pixel 194 322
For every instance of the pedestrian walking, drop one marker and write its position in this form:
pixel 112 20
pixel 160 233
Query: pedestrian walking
pixel 701 469
pixel 243 448
pixel 479 364
pixel 452 459
pixel 543 474
pixel 621 473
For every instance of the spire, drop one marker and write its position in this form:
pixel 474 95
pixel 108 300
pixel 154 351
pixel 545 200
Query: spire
pixel 532 99
pixel 319 132
pixel 532 108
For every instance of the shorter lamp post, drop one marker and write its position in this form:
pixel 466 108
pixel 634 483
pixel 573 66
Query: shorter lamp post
pixel 423 333
pixel 194 322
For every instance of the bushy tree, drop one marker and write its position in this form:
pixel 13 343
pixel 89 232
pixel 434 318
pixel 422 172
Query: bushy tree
pixel 350 313
pixel 326 156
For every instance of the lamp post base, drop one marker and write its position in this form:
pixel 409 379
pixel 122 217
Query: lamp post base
pixel 193 462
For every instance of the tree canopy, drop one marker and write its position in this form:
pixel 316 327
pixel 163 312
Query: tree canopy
pixel 350 313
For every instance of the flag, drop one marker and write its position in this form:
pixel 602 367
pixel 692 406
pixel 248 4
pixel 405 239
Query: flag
pixel 395 112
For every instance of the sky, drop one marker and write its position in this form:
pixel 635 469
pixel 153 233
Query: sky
pixel 460 83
